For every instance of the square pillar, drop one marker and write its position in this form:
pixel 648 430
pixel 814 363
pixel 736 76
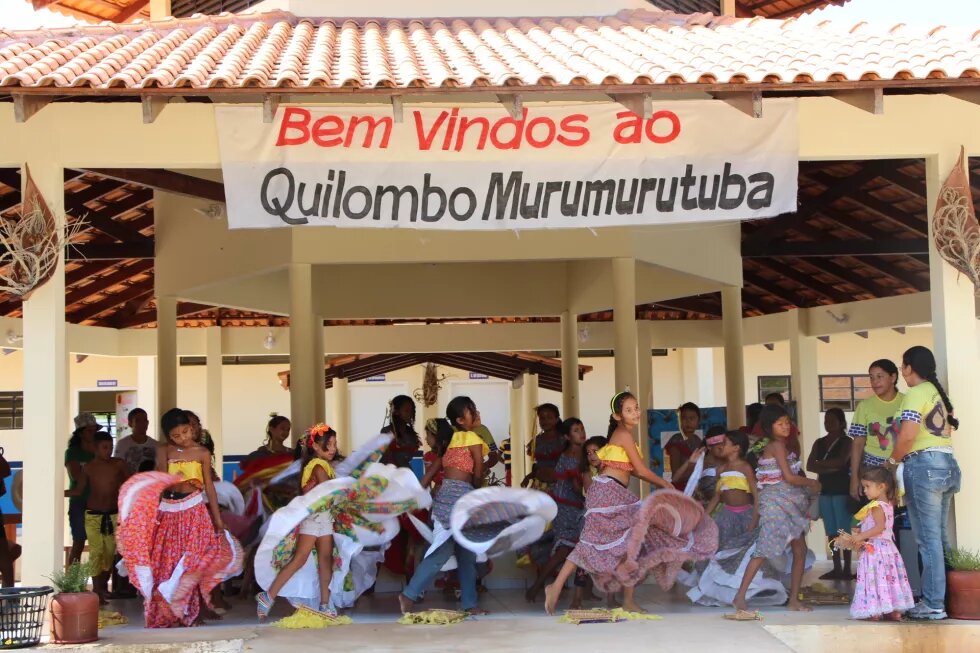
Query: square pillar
pixel 320 396
pixel 213 388
pixel 731 312
pixel 302 350
pixel 644 389
pixel 46 419
pixel 160 9
pixel 806 380
pixel 166 356
pixel 698 370
pixel 146 390
pixel 624 324
pixel 518 440
pixel 569 365
pixel 954 332
pixel 341 410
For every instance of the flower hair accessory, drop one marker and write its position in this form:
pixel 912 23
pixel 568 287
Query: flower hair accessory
pixel 316 431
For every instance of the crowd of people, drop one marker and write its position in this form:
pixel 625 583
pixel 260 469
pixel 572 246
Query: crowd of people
pixel 306 524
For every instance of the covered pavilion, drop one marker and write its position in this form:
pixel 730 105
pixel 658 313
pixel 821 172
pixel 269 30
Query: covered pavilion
pixel 117 125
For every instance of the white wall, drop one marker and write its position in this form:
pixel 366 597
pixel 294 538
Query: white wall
pixel 252 392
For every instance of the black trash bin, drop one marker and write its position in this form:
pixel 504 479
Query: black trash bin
pixel 22 612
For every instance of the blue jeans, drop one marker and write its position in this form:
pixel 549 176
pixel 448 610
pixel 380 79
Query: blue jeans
pixel 430 566
pixel 931 480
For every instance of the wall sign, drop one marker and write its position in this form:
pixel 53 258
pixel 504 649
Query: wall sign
pixel 107 383
pixel 477 168
pixel 377 378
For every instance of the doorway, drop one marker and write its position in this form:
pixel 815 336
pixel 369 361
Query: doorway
pixel 368 407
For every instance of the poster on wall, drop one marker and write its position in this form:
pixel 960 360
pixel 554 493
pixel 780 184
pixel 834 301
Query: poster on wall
pixel 665 424
pixel 476 168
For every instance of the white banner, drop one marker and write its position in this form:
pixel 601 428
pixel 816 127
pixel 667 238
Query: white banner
pixel 476 168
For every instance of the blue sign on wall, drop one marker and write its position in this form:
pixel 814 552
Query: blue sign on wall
pixel 376 378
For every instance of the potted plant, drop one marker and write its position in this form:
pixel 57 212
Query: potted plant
pixel 963 583
pixel 74 609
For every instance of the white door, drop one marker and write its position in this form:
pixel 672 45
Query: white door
pixel 368 405
pixel 492 399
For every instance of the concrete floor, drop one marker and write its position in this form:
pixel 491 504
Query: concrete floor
pixel 515 625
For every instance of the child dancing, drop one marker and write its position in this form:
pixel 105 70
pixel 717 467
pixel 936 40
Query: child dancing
pixel 784 503
pixel 567 493
pixel 316 531
pixel 174 545
pixel 882 583
pixel 624 539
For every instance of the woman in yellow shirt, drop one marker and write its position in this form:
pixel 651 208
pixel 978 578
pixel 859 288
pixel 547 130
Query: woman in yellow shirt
pixel 930 473
pixel 873 427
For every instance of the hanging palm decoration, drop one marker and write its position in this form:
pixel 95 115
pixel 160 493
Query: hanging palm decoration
pixel 31 243
pixel 428 394
pixel 956 231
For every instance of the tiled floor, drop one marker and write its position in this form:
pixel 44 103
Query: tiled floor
pixel 516 625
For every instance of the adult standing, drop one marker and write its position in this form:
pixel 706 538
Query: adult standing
pixel 873 427
pixel 138 449
pixel 276 434
pixel 406 444
pixel 930 473
pixel 81 450
pixel 830 460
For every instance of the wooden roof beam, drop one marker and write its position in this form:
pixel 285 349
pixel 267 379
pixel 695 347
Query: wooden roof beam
pixel 773 288
pixel 154 104
pixel 788 270
pixel 105 282
pixel 89 311
pixel 26 106
pixel 167 180
pixel 834 248
pixel 853 278
pixel 142 249
pixel 871 100
pixel 749 103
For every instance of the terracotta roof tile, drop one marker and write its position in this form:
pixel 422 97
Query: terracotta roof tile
pixel 277 49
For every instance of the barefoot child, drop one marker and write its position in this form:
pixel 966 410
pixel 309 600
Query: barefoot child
pixel 882 583
pixel 784 502
pixel 316 531
pixel 172 539
pixel 567 493
pixel 624 539
pixel 101 478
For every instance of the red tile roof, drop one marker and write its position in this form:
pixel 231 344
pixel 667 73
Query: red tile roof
pixel 279 50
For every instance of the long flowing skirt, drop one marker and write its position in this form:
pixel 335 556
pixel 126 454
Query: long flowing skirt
pixel 717 582
pixel 170 550
pixel 783 517
pixel 624 539
pixel 365 513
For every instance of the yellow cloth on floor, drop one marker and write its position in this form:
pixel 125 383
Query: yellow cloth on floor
pixel 108 618
pixel 305 618
pixel 605 615
pixel 433 617
pixel 101 547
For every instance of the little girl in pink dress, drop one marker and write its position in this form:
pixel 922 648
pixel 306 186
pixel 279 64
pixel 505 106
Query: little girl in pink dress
pixel 882 584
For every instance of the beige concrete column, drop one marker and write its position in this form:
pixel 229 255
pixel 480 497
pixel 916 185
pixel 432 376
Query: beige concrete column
pixel 518 441
pixel 644 389
pixel 341 402
pixel 160 9
pixel 569 365
pixel 213 388
pixel 731 312
pixel 805 378
pixel 954 332
pixel 624 324
pixel 302 345
pixel 166 355
pixel 728 7
pixel 320 396
pixel 698 375
pixel 529 396
pixel 146 390
pixel 46 418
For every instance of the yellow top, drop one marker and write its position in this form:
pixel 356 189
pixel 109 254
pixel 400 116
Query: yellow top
pixel 732 481
pixel 613 455
pixel 865 511
pixel 463 439
pixel 311 466
pixel 923 406
pixel 189 469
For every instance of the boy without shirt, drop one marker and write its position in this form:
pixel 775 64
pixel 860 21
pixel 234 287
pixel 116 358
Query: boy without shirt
pixel 102 477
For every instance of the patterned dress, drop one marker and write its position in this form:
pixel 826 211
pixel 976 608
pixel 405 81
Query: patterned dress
pixel 882 584
pixel 571 504
pixel 783 508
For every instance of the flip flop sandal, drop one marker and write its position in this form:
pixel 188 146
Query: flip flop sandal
pixel 263 605
pixel 744 615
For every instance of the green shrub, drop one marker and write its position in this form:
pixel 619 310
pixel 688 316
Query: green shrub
pixel 74 580
pixel 963 560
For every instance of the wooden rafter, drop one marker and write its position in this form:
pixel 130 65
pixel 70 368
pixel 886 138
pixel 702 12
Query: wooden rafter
pixel 116 278
pixel 808 281
pixel 836 247
pixel 89 311
pixel 111 251
pixel 772 287
pixel 167 180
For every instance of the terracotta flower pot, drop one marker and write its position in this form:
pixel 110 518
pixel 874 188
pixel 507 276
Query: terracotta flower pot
pixel 963 589
pixel 75 618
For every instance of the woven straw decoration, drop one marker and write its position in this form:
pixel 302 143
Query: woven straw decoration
pixel 956 231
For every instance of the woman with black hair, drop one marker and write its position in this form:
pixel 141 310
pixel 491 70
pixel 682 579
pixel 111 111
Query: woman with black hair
pixel 873 425
pixel 930 473
pixel 401 424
